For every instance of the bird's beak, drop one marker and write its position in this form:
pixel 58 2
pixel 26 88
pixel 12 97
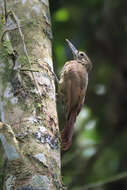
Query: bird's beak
pixel 72 47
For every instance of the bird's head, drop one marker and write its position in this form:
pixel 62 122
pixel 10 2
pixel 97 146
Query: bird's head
pixel 80 56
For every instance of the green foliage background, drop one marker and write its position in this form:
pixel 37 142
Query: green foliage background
pixel 99 27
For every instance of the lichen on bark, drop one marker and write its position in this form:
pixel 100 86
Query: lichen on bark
pixel 28 115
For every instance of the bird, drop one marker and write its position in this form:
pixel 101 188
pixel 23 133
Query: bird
pixel 72 90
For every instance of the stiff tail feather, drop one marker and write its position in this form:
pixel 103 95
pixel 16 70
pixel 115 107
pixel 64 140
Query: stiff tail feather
pixel 67 132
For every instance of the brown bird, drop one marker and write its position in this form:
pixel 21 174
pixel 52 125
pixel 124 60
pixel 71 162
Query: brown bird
pixel 72 90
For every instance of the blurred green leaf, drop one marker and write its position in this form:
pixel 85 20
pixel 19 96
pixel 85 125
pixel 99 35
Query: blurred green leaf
pixel 61 15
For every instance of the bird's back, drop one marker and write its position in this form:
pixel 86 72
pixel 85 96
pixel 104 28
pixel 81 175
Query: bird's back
pixel 72 84
pixel 72 89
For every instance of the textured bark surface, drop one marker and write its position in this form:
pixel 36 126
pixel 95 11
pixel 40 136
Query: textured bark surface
pixel 29 135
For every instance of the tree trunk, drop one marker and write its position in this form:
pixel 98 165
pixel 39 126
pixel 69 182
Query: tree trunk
pixel 29 135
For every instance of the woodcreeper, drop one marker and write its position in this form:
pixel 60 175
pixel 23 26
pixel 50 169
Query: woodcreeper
pixel 72 90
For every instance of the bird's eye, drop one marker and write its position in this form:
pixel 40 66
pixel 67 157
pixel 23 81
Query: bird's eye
pixel 81 54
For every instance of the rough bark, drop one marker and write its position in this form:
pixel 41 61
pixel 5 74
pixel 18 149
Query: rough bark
pixel 29 135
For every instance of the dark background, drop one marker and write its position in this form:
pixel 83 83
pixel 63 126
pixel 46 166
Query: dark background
pixel 99 149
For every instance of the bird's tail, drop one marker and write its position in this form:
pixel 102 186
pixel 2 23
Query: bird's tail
pixel 67 133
